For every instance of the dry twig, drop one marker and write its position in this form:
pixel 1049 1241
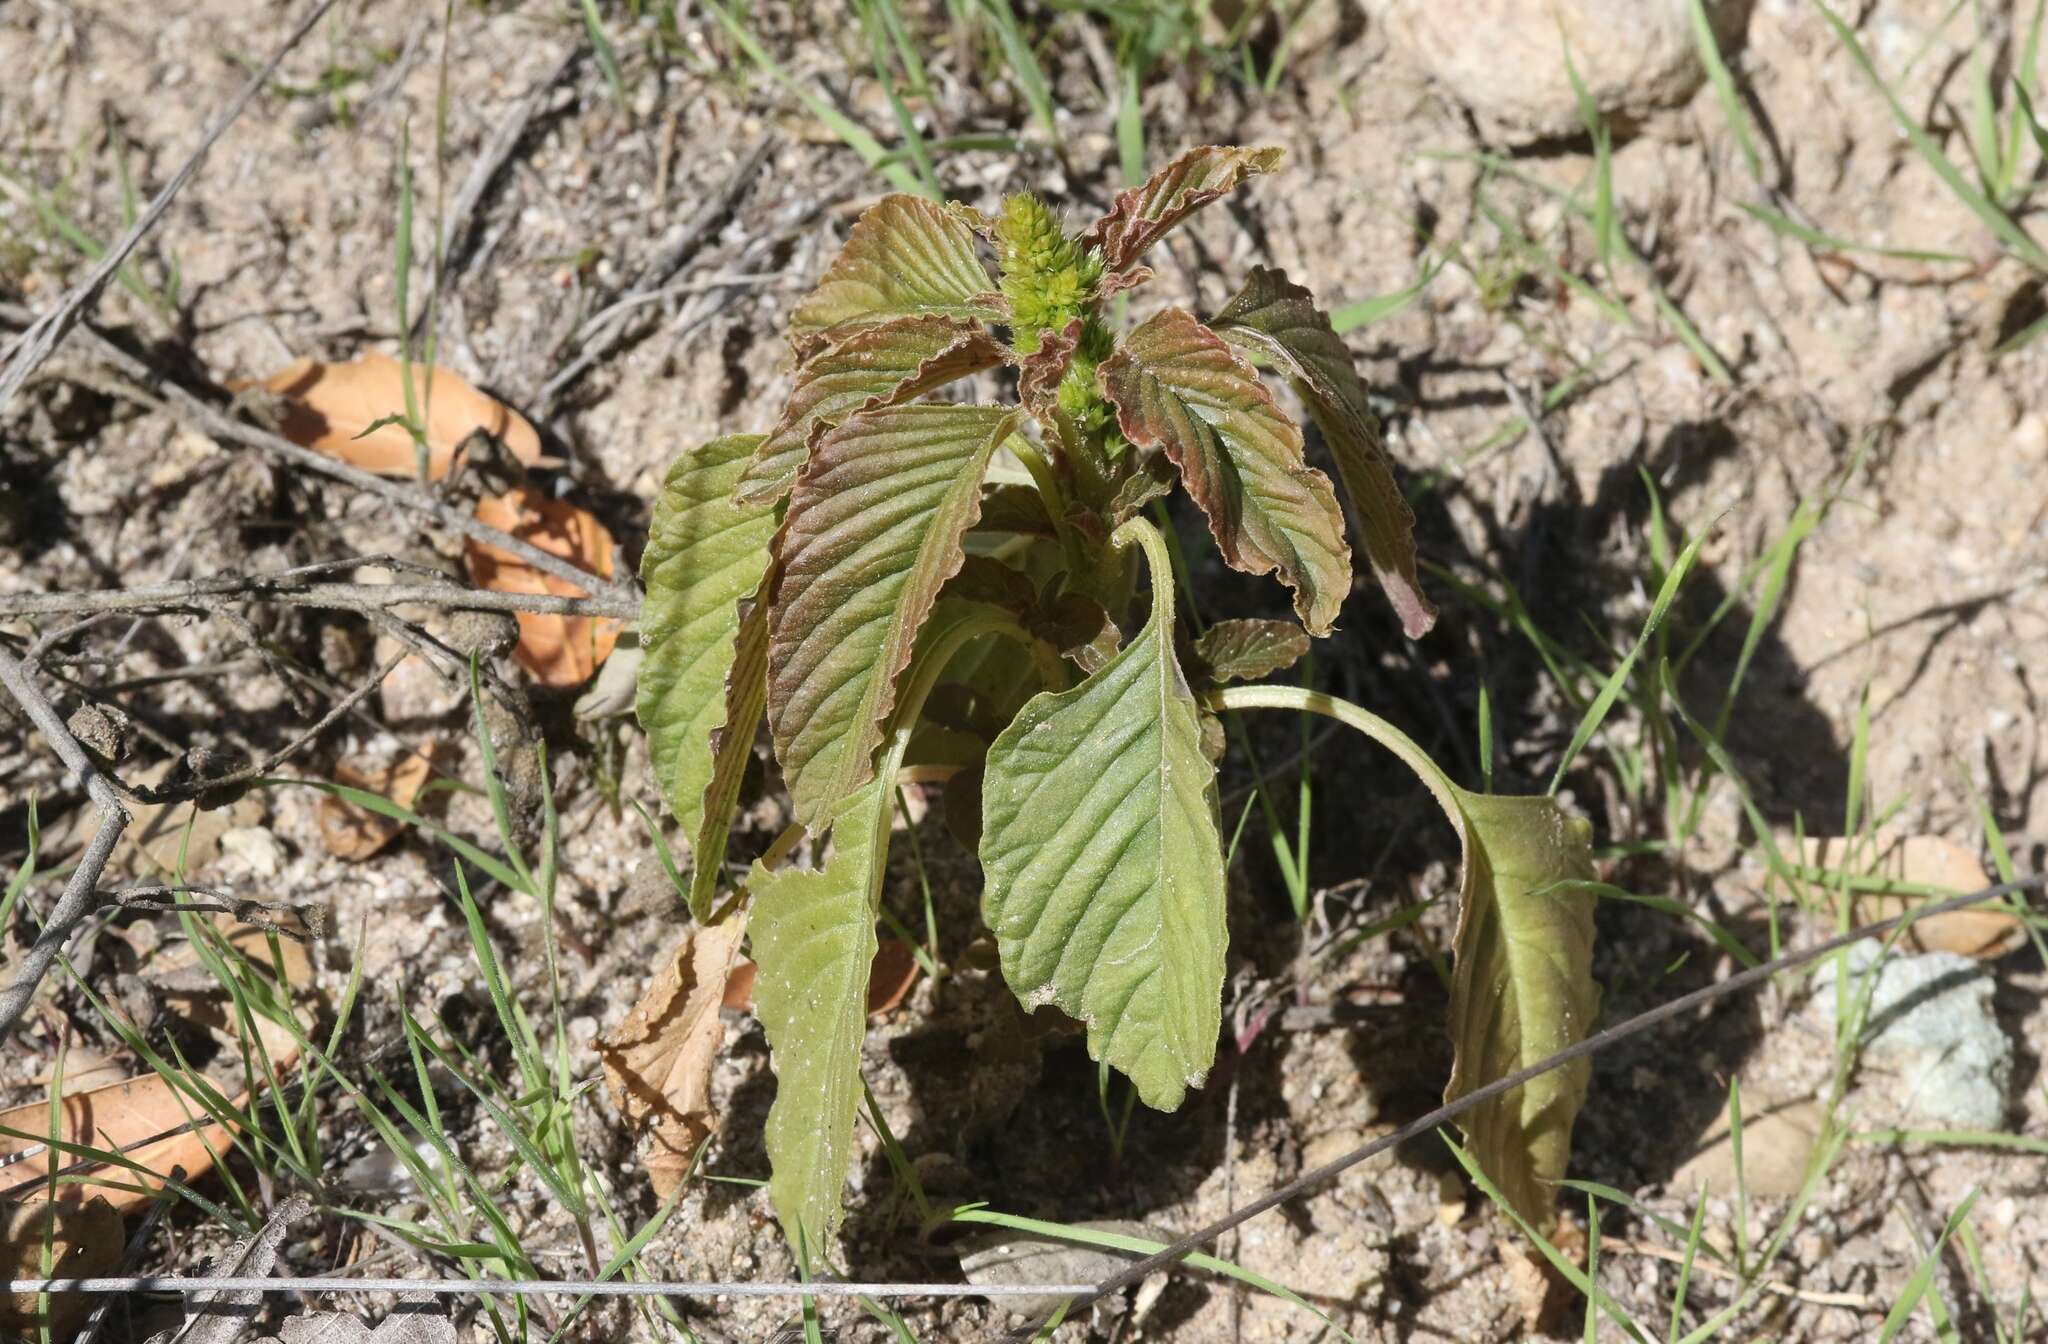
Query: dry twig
pixel 44 335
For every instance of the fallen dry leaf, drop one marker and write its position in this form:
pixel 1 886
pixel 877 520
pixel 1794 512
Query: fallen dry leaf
pixel 355 833
pixel 113 1116
pixel 1929 861
pixel 1777 1139
pixel 557 650
pixel 657 1062
pixel 890 979
pixel 110 1117
pixel 84 1240
pixel 328 406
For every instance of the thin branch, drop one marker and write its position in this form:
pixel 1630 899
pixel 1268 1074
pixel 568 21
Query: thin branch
pixel 600 339
pixel 247 910
pixel 190 410
pixel 523 1287
pixel 44 335
pixel 491 160
pixel 78 898
pixel 1138 1270
pixel 201 594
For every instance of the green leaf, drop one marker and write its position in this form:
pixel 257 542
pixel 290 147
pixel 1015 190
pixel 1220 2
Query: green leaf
pixel 1104 862
pixel 1178 386
pixel 703 676
pixel 1141 215
pixel 906 256
pixel 1279 318
pixel 874 366
pixel 873 532
pixel 814 942
pixel 1523 989
pixel 813 939
pixel 1247 650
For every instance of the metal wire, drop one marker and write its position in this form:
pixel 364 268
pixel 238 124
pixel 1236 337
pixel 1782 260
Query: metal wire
pixel 175 1283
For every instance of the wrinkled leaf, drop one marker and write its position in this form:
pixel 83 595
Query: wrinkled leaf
pixel 556 650
pixel 1279 318
pixel 905 256
pixel 1039 375
pixel 658 1061
pixel 1179 386
pixel 1522 989
pixel 1245 650
pixel 876 366
pixel 1141 215
pixel 83 1241
pixel 356 833
pixel 329 406
pixel 704 676
pixel 1104 865
pixel 873 532
pixel 814 944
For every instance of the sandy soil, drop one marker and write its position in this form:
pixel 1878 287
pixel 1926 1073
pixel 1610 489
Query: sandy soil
pixel 1868 380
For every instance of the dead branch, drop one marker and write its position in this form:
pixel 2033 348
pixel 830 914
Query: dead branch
pixel 44 335
pixel 192 411
pixel 78 898
pixel 285 589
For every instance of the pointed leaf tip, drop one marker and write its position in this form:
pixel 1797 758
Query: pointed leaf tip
pixel 1178 386
pixel 1280 319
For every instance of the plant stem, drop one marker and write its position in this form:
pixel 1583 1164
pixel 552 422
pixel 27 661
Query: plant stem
pixel 1306 701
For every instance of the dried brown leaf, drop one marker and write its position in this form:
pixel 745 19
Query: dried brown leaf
pixel 1987 932
pixel 329 406
pixel 355 833
pixel 557 650
pixel 657 1062
pixel 84 1240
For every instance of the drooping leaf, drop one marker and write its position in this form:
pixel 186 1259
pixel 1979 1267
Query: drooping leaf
pixel 658 1060
pixel 1246 650
pixel 331 408
pixel 1105 867
pixel 1522 989
pixel 703 678
pixel 555 650
pixel 1179 386
pixel 1280 319
pixel 905 256
pixel 873 532
pixel 1141 215
pixel 875 366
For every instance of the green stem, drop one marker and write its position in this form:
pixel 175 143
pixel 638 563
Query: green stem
pixel 1303 700
pixel 1158 560
pixel 1041 475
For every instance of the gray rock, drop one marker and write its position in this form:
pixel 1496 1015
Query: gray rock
pixel 1505 59
pixel 1930 1029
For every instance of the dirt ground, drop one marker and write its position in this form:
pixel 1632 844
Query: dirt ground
pixel 1868 380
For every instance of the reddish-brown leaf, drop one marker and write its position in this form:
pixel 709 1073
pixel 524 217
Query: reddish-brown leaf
pixel 1178 386
pixel 875 366
pixel 872 533
pixel 905 256
pixel 1140 216
pixel 1280 319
